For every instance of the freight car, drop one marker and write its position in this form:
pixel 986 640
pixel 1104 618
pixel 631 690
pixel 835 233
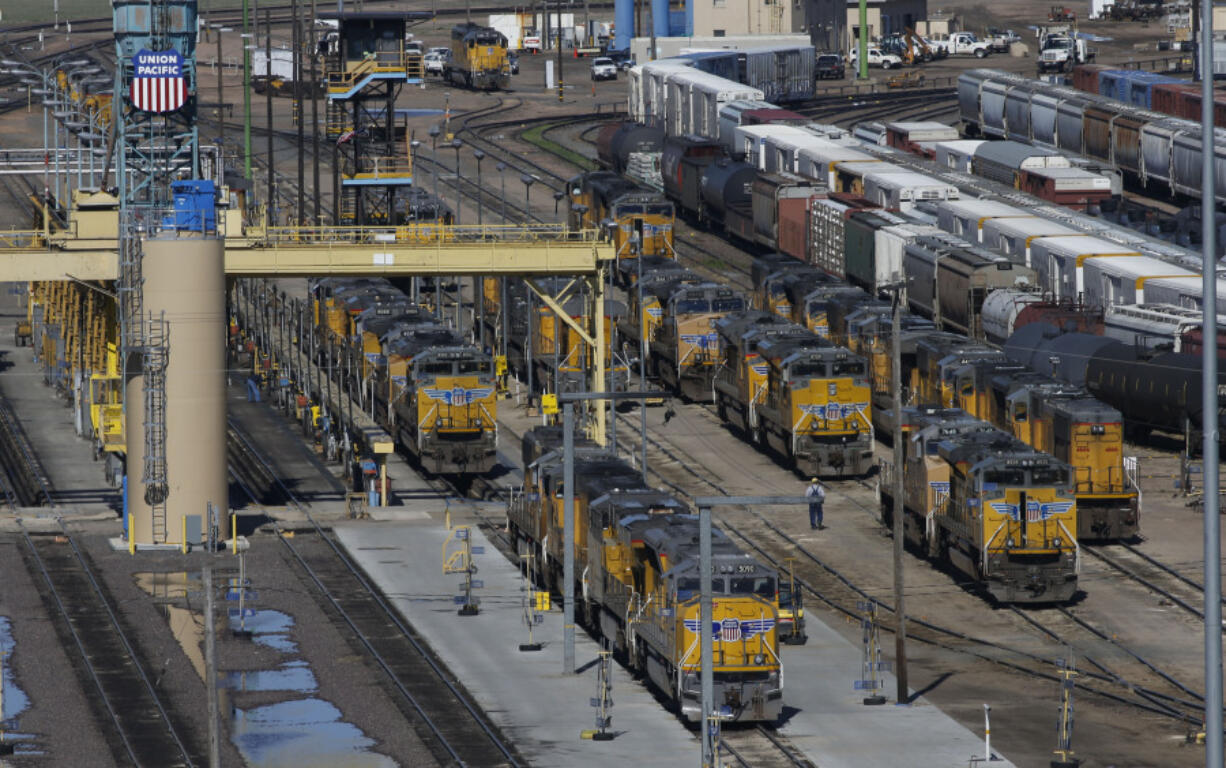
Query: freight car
pixel 429 389
pixel 637 551
pixel 617 143
pixel 1153 391
pixel 478 58
pixel 988 504
pixel 1153 149
pixel 794 394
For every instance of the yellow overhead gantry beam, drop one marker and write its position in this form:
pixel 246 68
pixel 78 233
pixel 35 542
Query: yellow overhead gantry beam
pixel 417 250
pixel 322 253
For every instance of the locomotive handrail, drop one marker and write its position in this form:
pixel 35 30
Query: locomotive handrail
pixel 1076 547
pixel 987 544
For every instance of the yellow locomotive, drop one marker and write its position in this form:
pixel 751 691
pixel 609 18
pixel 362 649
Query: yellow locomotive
pixel 636 563
pixel 432 392
pixel 1063 420
pixel 990 505
pixel 642 219
pixel 677 310
pixel 794 394
pixel 478 58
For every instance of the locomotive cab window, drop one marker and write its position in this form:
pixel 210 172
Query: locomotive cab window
pixel 1019 412
pixel 1048 476
pixel 848 368
pixel 1005 477
pixel 762 586
pixel 728 305
pixel 806 370
pixel 471 366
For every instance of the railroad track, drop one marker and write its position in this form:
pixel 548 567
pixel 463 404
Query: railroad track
pixel 144 733
pixel 448 722
pixel 760 746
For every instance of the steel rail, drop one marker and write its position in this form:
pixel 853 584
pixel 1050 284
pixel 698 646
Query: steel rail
pixel 120 634
pixel 477 716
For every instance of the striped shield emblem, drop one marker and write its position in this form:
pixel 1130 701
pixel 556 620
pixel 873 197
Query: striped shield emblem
pixel 158 84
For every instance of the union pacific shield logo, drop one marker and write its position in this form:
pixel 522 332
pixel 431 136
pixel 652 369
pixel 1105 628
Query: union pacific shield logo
pixel 158 84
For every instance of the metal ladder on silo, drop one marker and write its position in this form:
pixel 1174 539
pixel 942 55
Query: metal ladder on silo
pixel 154 356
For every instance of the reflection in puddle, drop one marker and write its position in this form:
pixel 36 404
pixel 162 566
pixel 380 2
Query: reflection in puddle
pixel 304 733
pixel 169 584
pixel 291 676
pixel 270 628
pixel 13 700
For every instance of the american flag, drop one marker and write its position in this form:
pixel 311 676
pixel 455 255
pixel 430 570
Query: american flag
pixel 158 84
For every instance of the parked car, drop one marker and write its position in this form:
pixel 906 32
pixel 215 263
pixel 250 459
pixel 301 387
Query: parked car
pixel 876 58
pixel 830 66
pixel 1000 40
pixel 622 59
pixel 513 61
pixel 603 68
pixel 414 48
pixel 436 61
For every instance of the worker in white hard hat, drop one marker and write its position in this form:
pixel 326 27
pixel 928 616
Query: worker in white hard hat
pixel 816 493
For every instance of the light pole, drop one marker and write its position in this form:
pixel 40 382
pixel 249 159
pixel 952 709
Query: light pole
pixel 456 144
pixel 221 98
pixel 557 198
pixel 502 180
pixel 434 132
pixel 527 180
pixel 479 155
pixel 247 44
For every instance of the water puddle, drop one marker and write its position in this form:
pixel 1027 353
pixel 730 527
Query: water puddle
pixel 306 733
pixel 13 700
pixel 291 676
pixel 268 628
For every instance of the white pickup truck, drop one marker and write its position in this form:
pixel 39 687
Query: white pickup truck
pixel 963 44
pixel 876 58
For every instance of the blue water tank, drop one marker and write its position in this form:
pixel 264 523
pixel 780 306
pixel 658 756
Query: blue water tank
pixel 195 205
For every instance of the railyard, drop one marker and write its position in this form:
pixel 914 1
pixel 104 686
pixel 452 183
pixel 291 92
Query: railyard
pixel 335 638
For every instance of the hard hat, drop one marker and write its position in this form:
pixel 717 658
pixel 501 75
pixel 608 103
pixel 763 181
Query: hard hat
pixel 813 480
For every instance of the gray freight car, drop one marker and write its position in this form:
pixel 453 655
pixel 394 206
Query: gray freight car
pixel 950 279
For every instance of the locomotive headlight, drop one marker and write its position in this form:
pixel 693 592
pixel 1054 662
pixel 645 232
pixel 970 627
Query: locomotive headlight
pixel 1057 542
pixel 759 659
pixel 1010 543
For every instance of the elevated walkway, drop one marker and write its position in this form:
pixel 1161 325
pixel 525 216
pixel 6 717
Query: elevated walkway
pixel 414 250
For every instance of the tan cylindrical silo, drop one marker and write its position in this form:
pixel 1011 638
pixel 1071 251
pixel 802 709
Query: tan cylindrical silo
pixel 184 277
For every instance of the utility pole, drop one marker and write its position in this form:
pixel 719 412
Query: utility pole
pixel 559 52
pixel 900 613
pixel 221 103
pixel 863 54
pixel 1209 393
pixel 706 612
pixel 247 43
pixel 210 670
pixel 298 116
pixel 270 202
pixel 568 538
pixel 315 115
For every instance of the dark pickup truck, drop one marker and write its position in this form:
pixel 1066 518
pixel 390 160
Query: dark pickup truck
pixel 829 66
